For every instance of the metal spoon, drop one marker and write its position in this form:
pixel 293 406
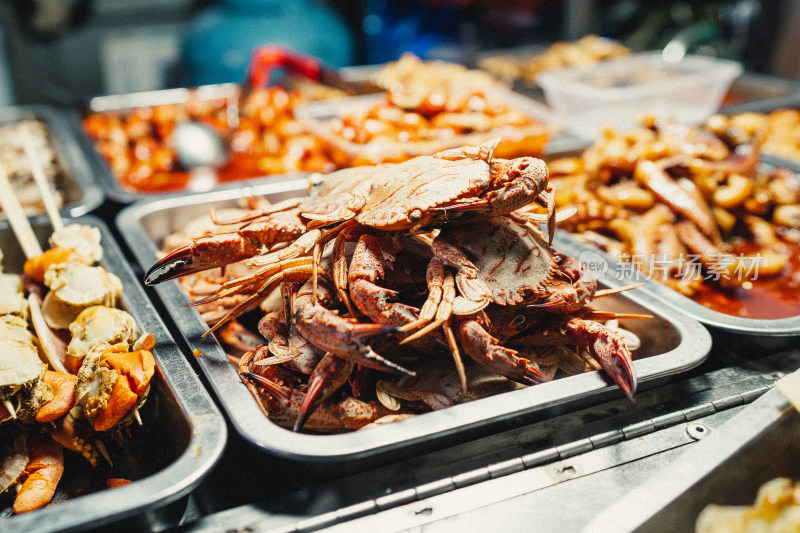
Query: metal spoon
pixel 201 150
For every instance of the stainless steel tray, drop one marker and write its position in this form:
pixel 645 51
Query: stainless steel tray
pixel 727 467
pixel 182 438
pixel 760 92
pixel 617 274
pixel 775 333
pixel 75 179
pixel 125 102
pixel 675 343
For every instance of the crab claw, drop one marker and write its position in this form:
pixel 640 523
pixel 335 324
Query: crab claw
pixel 481 347
pixel 608 348
pixel 329 374
pixel 348 339
pixel 203 253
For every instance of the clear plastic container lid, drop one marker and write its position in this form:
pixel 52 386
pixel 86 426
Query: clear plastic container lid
pixel 614 93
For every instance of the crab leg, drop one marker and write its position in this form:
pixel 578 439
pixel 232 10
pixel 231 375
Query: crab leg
pixel 347 414
pixel 568 297
pixel 476 294
pixel 441 289
pixel 45 467
pixel 438 308
pixel 370 257
pixel 604 344
pixel 480 346
pixel 212 251
pixel 292 349
pixel 328 331
pixel 295 274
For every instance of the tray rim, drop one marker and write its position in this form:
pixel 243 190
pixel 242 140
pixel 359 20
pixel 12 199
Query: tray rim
pixel 78 166
pixel 207 427
pixel 254 427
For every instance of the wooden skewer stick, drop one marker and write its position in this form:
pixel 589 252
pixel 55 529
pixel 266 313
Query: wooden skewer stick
pixel 39 176
pixel 16 216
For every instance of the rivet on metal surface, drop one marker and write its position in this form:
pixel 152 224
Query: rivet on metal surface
pixel 697 431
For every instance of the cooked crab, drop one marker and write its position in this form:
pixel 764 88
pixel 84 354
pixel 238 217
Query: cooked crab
pixel 113 382
pixel 97 325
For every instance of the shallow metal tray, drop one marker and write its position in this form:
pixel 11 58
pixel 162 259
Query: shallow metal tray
pixel 75 179
pixel 767 332
pixel 772 333
pixel 727 467
pixel 127 102
pixel 675 343
pixel 183 434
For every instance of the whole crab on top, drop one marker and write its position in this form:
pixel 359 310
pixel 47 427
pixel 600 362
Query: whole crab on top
pixel 437 208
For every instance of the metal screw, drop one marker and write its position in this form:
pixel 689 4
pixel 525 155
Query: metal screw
pixel 697 431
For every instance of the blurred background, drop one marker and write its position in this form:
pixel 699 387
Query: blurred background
pixel 63 52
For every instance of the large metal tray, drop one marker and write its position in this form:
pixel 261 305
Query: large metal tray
pixel 183 434
pixel 773 333
pixel 727 467
pixel 675 343
pixel 75 179
pixel 127 102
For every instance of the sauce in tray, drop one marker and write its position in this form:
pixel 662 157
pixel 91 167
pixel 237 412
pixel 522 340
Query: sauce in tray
pixel 765 297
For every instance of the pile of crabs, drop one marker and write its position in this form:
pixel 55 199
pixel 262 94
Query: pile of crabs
pixel 74 368
pixel 384 275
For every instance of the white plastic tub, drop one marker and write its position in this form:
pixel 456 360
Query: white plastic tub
pixel 614 93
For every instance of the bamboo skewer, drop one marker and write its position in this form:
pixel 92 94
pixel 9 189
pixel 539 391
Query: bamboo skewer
pixel 39 176
pixel 17 217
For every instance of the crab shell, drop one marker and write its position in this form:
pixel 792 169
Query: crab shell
pixel 100 324
pixel 513 260
pixel 403 194
pixel 84 240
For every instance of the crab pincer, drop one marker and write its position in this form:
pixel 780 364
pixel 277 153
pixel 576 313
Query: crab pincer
pixel 212 251
pixel 340 336
pixel 330 373
pixel 608 348
pixel 482 348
